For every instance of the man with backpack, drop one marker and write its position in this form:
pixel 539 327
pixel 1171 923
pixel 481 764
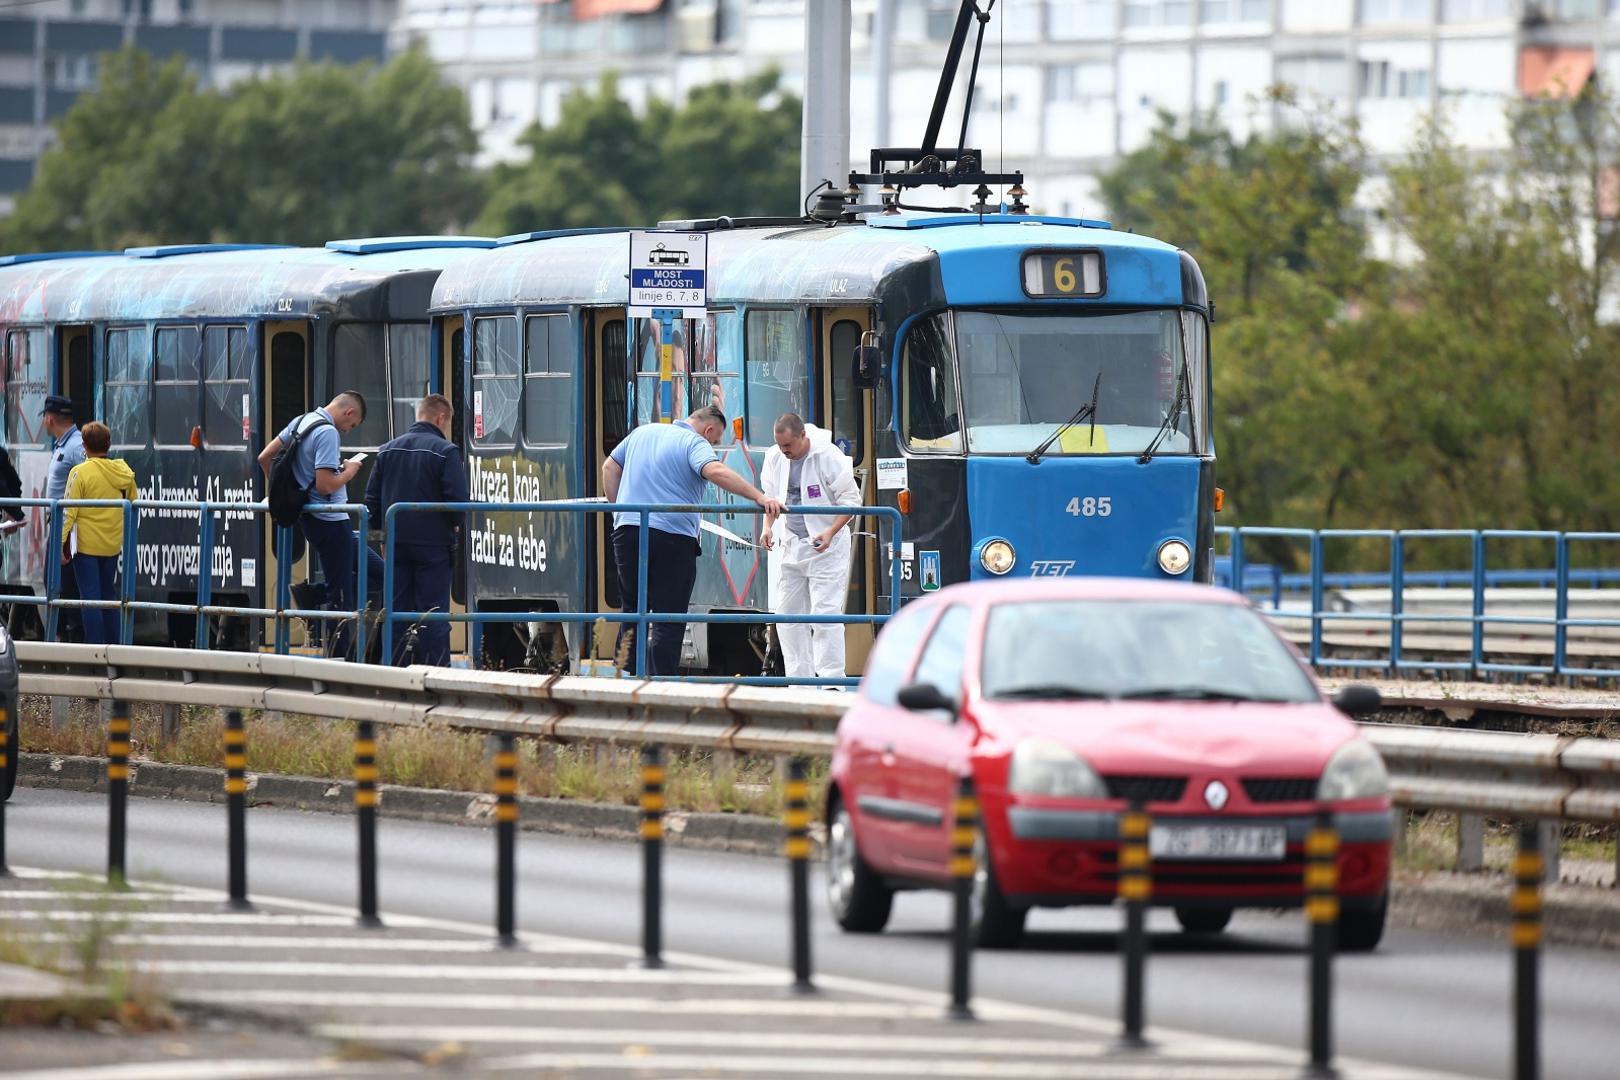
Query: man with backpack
pixel 303 464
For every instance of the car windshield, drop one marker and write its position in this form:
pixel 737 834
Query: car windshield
pixel 1024 375
pixel 1137 649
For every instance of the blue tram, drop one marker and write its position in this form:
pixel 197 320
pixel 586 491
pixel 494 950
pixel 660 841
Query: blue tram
pixel 195 356
pixel 1032 393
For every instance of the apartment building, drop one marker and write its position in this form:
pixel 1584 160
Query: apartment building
pixel 50 52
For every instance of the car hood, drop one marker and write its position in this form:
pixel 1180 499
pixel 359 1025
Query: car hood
pixel 1168 737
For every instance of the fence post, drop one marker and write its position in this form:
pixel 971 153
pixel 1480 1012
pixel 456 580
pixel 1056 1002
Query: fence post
pixel 283 588
pixel 1470 842
pixel 117 790
pixel 236 807
pixel 126 580
pixel 1238 584
pixel 5 762
pixel 362 555
pixel 797 820
pixel 506 818
pixel 53 569
pixel 387 657
pixel 205 575
pixel 964 871
pixel 1397 601
pixel 1135 886
pixel 1322 912
pixel 1527 870
pixel 1561 605
pixel 1317 597
pixel 365 808
pixel 1478 650
pixel 643 628
pixel 652 838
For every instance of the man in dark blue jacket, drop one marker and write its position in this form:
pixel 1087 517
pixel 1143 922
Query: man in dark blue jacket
pixel 422 465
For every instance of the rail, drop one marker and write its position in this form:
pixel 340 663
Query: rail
pixel 1549 777
pixel 1398 579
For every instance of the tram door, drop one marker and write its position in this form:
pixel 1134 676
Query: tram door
pixel 607 382
pixel 74 376
pixel 452 364
pixel 283 398
pixel 847 412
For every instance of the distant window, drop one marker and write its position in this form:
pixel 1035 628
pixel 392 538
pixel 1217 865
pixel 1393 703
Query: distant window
pixel 358 363
pixel 848 403
pixel 1464 10
pixel 179 366
pixel 548 386
pixel 1231 11
pixel 496 392
pixel 649 370
pixel 410 350
pixel 717 364
pixel 1384 11
pixel 615 384
pixel 226 387
pixel 777 370
pixel 28 380
pixel 933 419
pixel 1147 13
pixel 128 392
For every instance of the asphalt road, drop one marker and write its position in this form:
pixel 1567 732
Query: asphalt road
pixel 1424 999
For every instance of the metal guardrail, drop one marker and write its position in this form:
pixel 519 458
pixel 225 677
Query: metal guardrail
pixel 1474 624
pixel 1502 774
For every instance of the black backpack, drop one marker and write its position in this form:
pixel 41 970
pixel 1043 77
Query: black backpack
pixel 287 499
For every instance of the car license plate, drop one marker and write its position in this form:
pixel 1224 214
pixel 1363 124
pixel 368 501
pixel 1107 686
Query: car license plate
pixel 1258 842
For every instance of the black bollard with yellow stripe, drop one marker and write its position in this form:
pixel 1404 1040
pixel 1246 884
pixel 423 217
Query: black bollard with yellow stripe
pixel 506 819
pixel 964 868
pixel 797 819
pixel 1322 915
pixel 652 844
pixel 1135 887
pixel 236 807
pixel 117 790
pixel 365 812
pixel 5 763
pixel 1528 869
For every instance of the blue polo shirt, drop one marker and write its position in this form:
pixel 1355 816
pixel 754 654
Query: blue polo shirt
pixel 320 449
pixel 663 463
pixel 66 452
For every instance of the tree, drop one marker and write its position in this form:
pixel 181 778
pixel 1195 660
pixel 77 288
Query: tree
pixel 308 155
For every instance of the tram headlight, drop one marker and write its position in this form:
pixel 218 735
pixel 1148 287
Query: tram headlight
pixel 997 557
pixel 1174 557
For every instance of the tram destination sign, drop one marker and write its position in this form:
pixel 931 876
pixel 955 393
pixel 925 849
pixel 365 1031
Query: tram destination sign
pixel 669 271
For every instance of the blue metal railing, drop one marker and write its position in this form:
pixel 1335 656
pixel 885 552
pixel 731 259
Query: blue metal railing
pixel 641 618
pixel 1316 580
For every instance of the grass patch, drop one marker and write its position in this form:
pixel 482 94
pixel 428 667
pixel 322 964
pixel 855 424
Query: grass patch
pixel 1431 843
pixel 428 758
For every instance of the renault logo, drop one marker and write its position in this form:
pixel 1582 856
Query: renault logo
pixel 1215 794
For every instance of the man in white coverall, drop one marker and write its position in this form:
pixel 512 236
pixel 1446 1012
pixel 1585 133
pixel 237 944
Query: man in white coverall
pixel 809 552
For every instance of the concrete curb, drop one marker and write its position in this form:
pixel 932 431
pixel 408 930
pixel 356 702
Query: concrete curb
pixel 1476 903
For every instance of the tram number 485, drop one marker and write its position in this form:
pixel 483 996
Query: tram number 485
pixel 1101 506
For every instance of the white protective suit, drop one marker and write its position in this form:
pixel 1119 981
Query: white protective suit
pixel 802 580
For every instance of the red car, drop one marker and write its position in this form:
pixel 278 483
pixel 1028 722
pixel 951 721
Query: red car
pixel 1067 700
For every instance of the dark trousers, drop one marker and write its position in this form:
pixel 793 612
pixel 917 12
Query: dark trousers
pixel 69 621
pixel 422 583
pixel 671 574
pixel 96 576
pixel 333 543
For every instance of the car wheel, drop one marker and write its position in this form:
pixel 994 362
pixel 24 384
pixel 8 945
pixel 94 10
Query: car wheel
pixel 1361 927
pixel 858 898
pixel 995 924
pixel 8 775
pixel 1203 920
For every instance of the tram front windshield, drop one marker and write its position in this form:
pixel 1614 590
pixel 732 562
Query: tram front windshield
pixel 1022 376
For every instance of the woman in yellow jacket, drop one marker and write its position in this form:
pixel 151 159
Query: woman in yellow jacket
pixel 93 553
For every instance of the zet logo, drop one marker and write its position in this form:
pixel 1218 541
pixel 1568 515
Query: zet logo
pixel 1051 568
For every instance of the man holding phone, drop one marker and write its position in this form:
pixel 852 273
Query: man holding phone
pixel 319 469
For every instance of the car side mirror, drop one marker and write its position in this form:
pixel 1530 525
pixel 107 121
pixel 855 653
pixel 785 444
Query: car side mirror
pixel 868 362
pixel 925 697
pixel 1358 700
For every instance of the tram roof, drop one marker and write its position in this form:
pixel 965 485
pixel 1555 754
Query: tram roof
pixel 381 277
pixel 972 260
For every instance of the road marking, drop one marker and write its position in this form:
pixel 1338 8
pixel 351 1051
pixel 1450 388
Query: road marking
pixel 763 1065
pixel 445 972
pixel 106 894
pixel 562 1003
pixel 327 944
pixel 197 918
pixel 210 1070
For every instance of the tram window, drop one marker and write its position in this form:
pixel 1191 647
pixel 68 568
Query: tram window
pixel 548 360
pixel 933 418
pixel 778 375
pixel 409 351
pixel 495 380
pixel 359 354
pixel 846 406
pixel 649 371
pixel 615 384
pixel 178 369
pixel 129 364
pixel 28 380
pixel 226 394
pixel 717 363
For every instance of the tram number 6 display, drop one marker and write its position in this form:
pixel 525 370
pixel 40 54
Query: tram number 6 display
pixel 1063 274
pixel 1101 506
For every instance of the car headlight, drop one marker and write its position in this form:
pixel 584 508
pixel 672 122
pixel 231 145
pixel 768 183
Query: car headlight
pixel 1043 767
pixel 1355 771
pixel 1174 556
pixel 997 557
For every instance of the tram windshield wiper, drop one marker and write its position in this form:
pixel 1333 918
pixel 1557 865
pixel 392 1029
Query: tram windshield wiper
pixel 1172 420
pixel 1088 410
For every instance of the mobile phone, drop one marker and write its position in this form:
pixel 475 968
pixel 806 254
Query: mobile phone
pixel 358 458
